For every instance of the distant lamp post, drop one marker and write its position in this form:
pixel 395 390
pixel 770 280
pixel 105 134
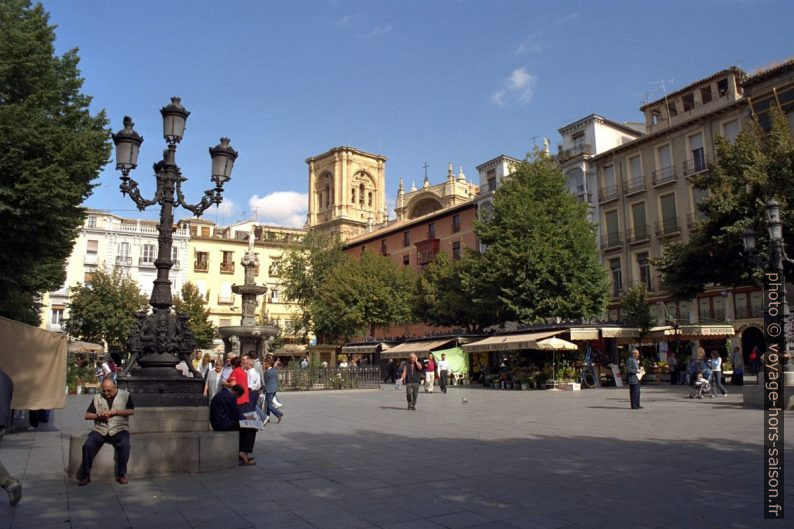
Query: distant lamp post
pixel 777 282
pixel 161 339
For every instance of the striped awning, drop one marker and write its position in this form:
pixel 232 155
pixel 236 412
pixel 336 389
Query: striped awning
pixel 404 349
pixel 509 342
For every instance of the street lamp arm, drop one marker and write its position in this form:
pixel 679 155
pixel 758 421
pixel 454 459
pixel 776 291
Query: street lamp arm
pixel 211 196
pixel 130 187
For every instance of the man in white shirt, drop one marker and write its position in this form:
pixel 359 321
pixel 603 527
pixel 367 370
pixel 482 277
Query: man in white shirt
pixel 443 372
pixel 305 363
pixel 254 384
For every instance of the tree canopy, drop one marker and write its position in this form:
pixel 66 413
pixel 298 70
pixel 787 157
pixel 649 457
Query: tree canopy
pixel 636 310
pixel 758 166
pixel 541 258
pixel 361 294
pixel 191 302
pixel 450 294
pixel 51 149
pixel 104 310
pixel 303 272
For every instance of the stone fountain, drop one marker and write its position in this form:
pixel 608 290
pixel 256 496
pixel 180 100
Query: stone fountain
pixel 248 337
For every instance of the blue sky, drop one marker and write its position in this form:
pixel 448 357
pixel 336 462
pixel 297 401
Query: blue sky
pixel 433 81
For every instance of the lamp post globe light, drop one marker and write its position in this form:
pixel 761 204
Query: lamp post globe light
pixel 161 338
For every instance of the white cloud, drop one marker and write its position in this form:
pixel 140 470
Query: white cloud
pixel 282 208
pixel 518 87
pixel 378 31
pixel 227 208
pixel 345 20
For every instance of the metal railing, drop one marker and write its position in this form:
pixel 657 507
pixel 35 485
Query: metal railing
pixel 668 227
pixel 696 165
pixel 124 260
pixel 146 262
pixel 318 378
pixel 577 150
pixel 201 266
pixel 227 268
pixel 605 194
pixel 635 185
pixel 638 234
pixel 663 176
pixel 611 240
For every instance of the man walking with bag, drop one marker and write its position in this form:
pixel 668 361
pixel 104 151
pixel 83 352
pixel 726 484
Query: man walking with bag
pixel 410 379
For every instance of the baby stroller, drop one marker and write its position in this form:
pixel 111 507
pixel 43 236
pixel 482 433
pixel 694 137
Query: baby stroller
pixel 703 385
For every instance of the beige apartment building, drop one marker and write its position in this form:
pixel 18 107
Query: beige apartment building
pixel 646 198
pixel 215 254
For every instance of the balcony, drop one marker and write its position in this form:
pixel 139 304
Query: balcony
pixel 91 259
pixel 583 195
pixel 607 194
pixel 145 262
pixel 176 265
pixel 696 165
pixel 668 227
pixel 611 241
pixel 227 299
pixel 577 150
pixel 647 282
pixel 123 260
pixel 227 268
pixel 638 235
pixel 201 266
pixel 664 176
pixel 635 185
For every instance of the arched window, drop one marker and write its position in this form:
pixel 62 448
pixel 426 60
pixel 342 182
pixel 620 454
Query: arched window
pixel 361 194
pixel 369 198
pixel 353 196
pixel 327 195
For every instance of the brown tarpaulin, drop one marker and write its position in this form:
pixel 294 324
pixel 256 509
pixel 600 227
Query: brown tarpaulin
pixel 35 360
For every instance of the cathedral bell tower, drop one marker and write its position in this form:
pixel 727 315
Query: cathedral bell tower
pixel 347 191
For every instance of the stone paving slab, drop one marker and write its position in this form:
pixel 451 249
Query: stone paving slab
pixel 502 459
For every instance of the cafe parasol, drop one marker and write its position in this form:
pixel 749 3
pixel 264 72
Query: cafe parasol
pixel 555 344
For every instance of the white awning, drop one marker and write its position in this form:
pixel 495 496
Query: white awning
pixel 584 333
pixel 368 348
pixel 510 342
pixel 404 349
pixel 696 331
pixel 620 332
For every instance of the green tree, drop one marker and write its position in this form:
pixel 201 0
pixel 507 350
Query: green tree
pixel 541 259
pixel 51 149
pixel 191 302
pixel 636 310
pixel 105 309
pixel 758 166
pixel 361 294
pixel 448 294
pixel 303 272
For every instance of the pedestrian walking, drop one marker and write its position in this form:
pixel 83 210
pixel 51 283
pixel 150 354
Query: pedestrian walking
pixel 755 360
pixel 430 373
pixel 716 370
pixel 9 483
pixel 390 371
pixel 271 388
pixel 443 372
pixel 737 360
pixel 410 379
pixel 634 372
pixel 212 381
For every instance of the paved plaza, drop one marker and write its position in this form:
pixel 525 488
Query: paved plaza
pixel 501 459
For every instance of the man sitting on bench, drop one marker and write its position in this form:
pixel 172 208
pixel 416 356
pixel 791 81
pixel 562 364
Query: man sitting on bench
pixel 110 410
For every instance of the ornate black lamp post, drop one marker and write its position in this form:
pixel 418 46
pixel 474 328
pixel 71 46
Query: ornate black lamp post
pixel 776 314
pixel 162 338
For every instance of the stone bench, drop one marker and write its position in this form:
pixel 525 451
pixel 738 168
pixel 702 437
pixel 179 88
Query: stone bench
pixel 167 440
